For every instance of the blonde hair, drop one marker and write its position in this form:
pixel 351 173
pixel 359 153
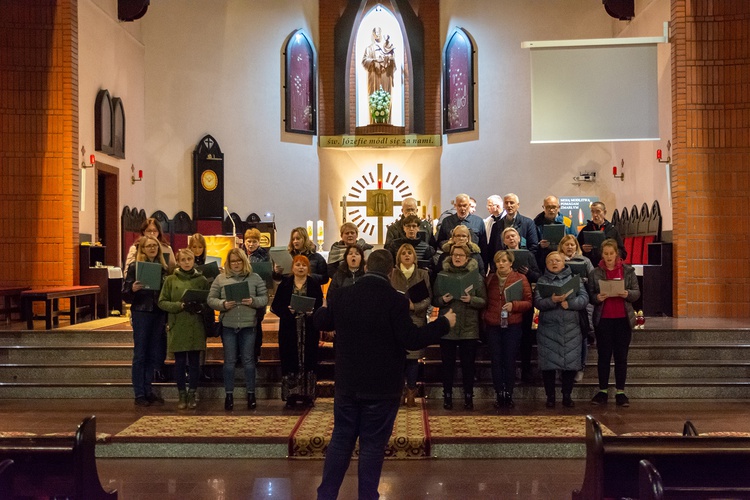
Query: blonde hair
pixel 140 254
pixel 348 225
pixel 566 239
pixel 246 267
pixel 307 245
pixel 404 248
pixel 508 255
pixel 199 239
pixel 610 242
pixel 184 251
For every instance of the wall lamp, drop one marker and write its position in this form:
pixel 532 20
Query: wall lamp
pixel 621 176
pixel 669 155
pixel 92 159
pixel 133 178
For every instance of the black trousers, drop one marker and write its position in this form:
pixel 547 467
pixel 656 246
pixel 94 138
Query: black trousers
pixel 568 377
pixel 468 352
pixel 613 339
pixel 528 339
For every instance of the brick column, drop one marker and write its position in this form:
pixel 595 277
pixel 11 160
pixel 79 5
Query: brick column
pixel 711 158
pixel 39 157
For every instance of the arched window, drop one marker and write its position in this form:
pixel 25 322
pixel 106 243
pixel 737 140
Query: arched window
pixel 300 113
pixel 458 83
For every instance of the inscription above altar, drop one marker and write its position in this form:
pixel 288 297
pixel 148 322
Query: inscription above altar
pixel 380 141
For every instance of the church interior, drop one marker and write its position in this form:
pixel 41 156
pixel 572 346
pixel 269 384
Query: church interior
pixel 114 111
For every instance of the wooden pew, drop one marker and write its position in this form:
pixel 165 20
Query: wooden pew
pixel 51 297
pixel 684 462
pixel 651 487
pixel 5 471
pixel 54 466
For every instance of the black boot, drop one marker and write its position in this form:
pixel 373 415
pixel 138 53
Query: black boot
pixel 229 402
pixel 509 400
pixel 468 401
pixel 499 400
pixel 447 401
pixel 251 403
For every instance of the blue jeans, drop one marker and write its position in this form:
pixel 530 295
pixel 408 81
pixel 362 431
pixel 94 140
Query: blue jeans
pixel 505 343
pixel 370 420
pixel 243 341
pixel 148 330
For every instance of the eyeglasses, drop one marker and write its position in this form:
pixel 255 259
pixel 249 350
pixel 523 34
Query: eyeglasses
pixel 551 207
pixel 235 262
pixel 458 255
pixel 151 246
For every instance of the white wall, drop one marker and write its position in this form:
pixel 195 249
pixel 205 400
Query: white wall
pixel 110 56
pixel 497 157
pixel 217 68
pixel 192 67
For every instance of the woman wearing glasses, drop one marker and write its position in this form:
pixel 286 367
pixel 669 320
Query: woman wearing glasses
pixel 147 320
pixel 465 334
pixel 238 320
pixel 151 227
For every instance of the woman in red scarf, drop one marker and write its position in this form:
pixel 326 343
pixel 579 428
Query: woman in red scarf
pixel 614 319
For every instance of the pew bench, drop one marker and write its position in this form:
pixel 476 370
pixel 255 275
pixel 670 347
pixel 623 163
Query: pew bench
pixel 54 466
pixel 690 462
pixel 51 297
pixel 652 487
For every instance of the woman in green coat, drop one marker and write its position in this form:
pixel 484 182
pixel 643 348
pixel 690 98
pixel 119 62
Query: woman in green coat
pixel 465 334
pixel 186 336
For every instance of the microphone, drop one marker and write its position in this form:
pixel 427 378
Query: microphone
pixel 234 228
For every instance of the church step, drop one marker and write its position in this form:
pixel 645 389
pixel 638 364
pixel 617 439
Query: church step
pixel 735 389
pixel 651 336
pixel 100 352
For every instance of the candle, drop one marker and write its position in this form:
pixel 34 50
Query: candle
pixel 310 229
pixel 320 231
pixel 434 212
pixel 614 169
pixel 380 183
pixel 424 211
pixel 658 154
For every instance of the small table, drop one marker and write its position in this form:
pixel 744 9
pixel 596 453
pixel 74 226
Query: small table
pixel 51 296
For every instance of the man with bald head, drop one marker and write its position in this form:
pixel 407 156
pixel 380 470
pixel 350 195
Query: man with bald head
pixel 550 215
pixel 396 229
pixel 525 227
pixel 463 217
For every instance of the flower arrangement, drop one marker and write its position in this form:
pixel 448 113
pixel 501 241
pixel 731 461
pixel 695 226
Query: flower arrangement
pixel 380 106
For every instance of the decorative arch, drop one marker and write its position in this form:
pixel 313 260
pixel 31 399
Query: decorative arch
pixel 103 122
pixel 347 60
pixel 118 128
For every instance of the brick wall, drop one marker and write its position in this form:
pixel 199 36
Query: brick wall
pixel 711 153
pixel 39 181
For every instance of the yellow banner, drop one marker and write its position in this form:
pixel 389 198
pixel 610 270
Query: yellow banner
pixel 379 141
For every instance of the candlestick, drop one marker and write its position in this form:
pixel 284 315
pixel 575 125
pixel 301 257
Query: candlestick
pixel 310 229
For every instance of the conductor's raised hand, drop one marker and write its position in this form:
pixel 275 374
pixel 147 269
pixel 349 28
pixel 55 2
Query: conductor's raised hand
pixel 451 316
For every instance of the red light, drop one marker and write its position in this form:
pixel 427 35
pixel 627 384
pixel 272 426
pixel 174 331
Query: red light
pixel 140 174
pixel 658 154
pixel 614 170
pixel 380 183
pixel 92 159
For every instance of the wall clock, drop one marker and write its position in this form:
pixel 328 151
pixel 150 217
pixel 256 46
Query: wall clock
pixel 209 180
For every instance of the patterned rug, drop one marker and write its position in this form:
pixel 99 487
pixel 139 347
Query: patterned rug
pixel 177 429
pixel 313 433
pixel 307 436
pixel 492 428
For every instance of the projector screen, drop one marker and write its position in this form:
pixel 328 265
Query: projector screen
pixel 593 93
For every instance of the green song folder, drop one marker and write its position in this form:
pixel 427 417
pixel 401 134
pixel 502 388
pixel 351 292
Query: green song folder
pixel 148 274
pixel 570 287
pixel 237 291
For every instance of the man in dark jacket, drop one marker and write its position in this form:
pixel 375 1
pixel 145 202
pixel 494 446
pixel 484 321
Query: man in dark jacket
pixel 373 330
pixel 550 216
pixel 599 222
